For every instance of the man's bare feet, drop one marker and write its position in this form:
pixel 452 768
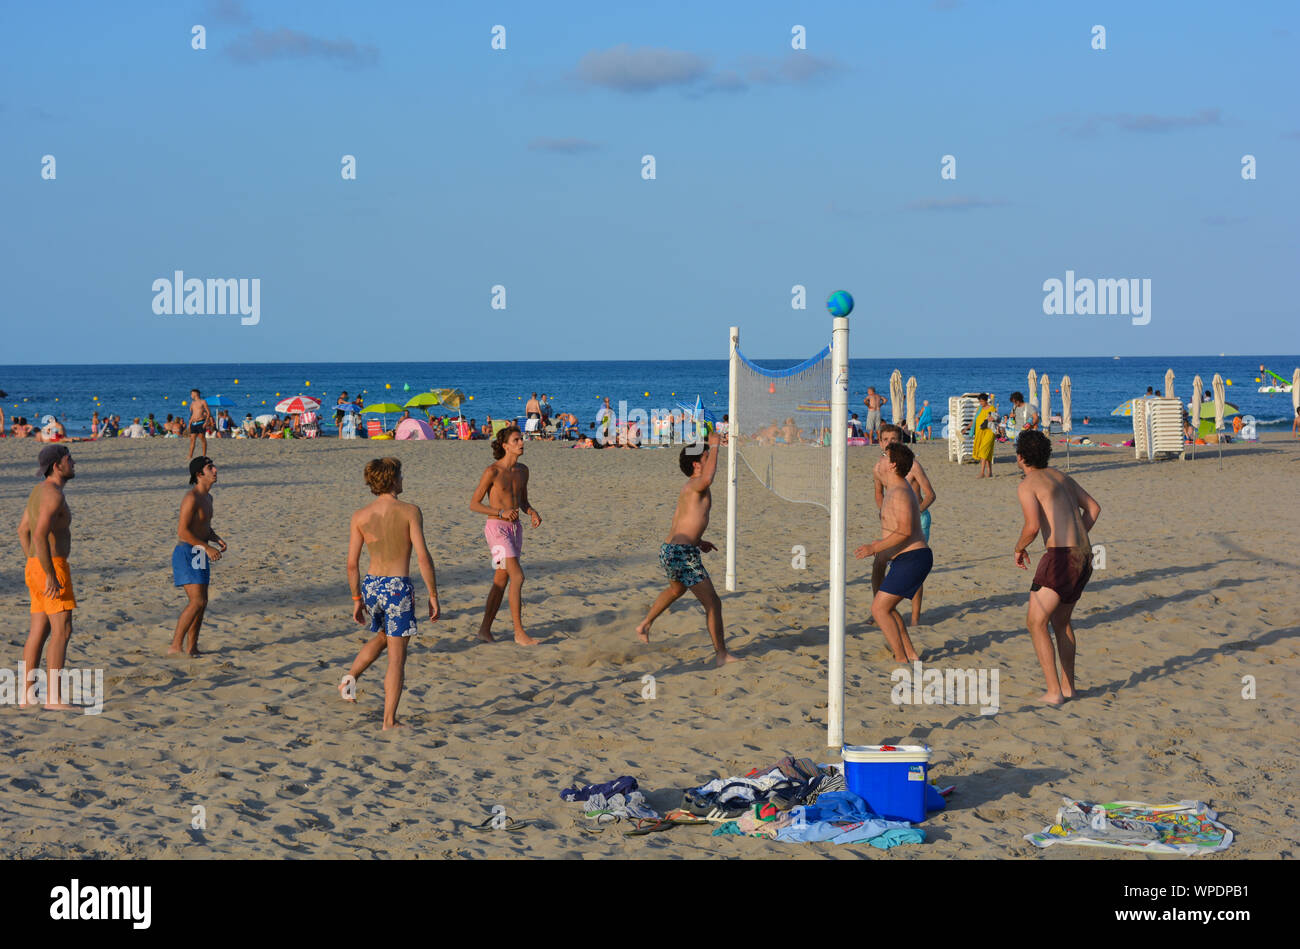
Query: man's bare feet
pixel 725 657
pixel 524 639
pixel 175 651
pixel 911 657
pixel 1054 699
pixel 643 632
pixel 194 652
pixel 395 724
pixel 59 708
pixel 485 636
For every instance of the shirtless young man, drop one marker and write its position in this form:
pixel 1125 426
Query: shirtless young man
pixel 200 416
pixel 920 484
pixel 680 554
pixel 389 529
pixel 45 533
pixel 1065 513
pixel 504 485
pixel 873 402
pixel 197 546
pixel 903 543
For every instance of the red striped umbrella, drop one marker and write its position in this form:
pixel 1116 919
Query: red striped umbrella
pixel 297 403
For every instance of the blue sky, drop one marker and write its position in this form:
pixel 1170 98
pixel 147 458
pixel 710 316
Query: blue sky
pixel 522 168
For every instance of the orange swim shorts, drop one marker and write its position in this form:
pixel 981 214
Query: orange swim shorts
pixel 35 576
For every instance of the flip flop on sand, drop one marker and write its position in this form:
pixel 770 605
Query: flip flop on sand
pixel 512 827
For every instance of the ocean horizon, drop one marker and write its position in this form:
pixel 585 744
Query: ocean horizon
pixel 72 392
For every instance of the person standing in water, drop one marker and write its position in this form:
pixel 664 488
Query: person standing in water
pixel 504 486
pixel 389 529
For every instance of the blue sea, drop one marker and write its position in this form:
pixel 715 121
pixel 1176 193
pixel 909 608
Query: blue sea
pixel 72 393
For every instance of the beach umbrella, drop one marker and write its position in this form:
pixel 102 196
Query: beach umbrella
pixel 423 401
pixel 1045 406
pixel 1126 409
pixel 297 404
pixel 1219 396
pixel 1195 410
pixel 896 396
pixel 450 397
pixel 381 408
pixel 221 402
pixel 1169 384
pixel 1033 392
pixel 1066 425
pixel 911 404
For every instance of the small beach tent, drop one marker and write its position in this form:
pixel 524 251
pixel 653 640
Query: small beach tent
pixel 414 429
pixel 1065 417
pixel 911 404
pixel 1033 392
pixel 962 410
pixel 1169 384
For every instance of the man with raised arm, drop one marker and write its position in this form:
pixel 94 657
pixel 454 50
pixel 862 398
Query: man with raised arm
pixel 680 553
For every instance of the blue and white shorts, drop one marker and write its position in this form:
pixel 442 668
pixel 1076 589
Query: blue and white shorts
pixel 682 564
pixel 391 601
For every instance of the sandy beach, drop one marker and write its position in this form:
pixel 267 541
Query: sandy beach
pixel 1198 591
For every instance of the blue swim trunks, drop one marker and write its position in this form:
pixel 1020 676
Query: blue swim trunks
pixel 907 572
pixel 925 525
pixel 391 601
pixel 190 565
pixel 682 564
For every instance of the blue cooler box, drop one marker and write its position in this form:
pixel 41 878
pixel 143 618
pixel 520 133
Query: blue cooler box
pixel 891 778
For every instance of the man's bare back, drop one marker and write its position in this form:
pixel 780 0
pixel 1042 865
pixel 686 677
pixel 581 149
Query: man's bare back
pixel 387 526
pixel 1059 499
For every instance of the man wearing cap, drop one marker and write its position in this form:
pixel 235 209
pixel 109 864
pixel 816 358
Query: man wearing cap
pixel 45 533
pixel 191 556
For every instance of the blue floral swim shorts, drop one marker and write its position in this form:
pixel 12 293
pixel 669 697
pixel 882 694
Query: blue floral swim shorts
pixel 682 564
pixel 391 601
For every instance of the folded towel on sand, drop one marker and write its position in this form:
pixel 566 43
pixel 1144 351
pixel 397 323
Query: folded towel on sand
pixel 1188 827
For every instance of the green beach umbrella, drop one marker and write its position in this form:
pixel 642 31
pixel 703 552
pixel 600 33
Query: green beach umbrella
pixel 384 408
pixel 423 401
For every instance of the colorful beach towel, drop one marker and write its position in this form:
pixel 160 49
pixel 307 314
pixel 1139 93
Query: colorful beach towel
pixel 1188 827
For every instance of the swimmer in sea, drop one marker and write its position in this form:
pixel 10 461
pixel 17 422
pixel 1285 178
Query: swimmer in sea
pixel 1055 504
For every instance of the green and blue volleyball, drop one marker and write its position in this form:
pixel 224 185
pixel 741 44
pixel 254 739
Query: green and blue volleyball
pixel 840 303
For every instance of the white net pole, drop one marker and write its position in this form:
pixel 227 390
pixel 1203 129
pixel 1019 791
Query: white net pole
pixel 733 432
pixel 839 485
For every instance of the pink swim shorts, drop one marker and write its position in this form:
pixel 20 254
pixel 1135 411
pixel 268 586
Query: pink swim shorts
pixel 505 540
